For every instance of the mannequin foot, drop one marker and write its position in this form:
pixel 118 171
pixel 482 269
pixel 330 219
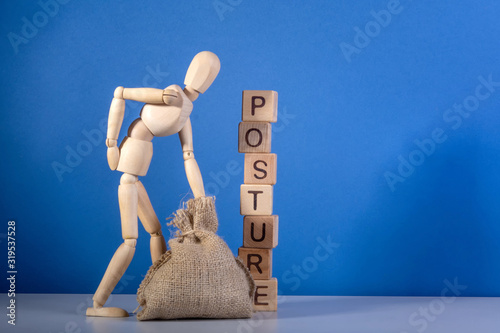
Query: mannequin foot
pixel 100 311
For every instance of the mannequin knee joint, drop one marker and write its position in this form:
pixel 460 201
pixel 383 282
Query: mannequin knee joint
pixel 128 179
pixel 156 234
pixel 130 242
pixel 188 155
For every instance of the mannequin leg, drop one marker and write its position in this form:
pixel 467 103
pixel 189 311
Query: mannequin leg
pixel 151 224
pixel 128 199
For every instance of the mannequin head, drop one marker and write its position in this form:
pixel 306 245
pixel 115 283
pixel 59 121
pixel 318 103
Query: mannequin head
pixel 202 71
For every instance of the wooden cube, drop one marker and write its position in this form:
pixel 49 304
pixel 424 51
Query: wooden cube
pixel 260 169
pixel 256 199
pixel 259 105
pixel 266 295
pixel 258 261
pixel 260 231
pixel 254 137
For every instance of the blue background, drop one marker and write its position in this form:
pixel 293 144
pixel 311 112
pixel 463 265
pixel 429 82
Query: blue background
pixel 345 122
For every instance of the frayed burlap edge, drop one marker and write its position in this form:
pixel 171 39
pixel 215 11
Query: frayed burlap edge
pixel 151 272
pixel 200 203
pixel 188 218
pixel 250 280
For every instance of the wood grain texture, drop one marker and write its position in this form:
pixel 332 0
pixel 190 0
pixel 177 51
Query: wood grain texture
pixel 260 169
pixel 266 295
pixel 254 137
pixel 258 261
pixel 259 105
pixel 260 231
pixel 256 199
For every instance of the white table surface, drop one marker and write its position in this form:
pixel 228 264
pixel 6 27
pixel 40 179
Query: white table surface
pixel 58 313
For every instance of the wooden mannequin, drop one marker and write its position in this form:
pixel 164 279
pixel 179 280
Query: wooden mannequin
pixel 166 112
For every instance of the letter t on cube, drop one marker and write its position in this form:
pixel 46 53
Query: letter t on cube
pixel 256 199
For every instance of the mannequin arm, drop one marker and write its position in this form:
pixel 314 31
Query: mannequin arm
pixel 115 120
pixel 192 170
pixel 145 95
pixel 150 95
pixel 117 111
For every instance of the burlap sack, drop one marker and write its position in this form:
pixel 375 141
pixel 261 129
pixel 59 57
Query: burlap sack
pixel 199 277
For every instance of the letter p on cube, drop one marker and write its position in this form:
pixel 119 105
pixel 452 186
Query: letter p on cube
pixel 260 105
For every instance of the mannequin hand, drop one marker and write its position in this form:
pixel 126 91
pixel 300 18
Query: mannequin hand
pixel 171 97
pixel 113 154
pixel 113 157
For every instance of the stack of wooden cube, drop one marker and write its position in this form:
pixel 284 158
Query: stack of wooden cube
pixel 260 226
